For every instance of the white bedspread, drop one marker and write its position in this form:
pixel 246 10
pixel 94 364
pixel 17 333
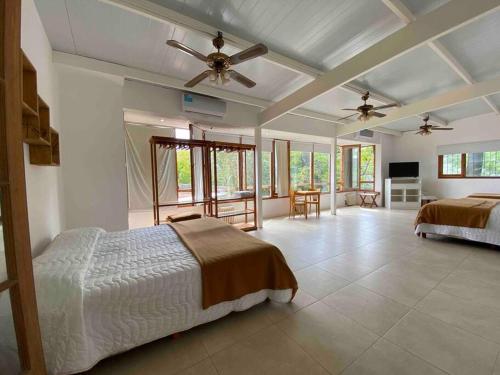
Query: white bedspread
pixel 490 234
pixel 102 293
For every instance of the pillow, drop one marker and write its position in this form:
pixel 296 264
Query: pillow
pixel 183 216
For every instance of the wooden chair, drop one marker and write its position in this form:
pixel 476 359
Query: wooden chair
pixel 297 204
pixel 314 201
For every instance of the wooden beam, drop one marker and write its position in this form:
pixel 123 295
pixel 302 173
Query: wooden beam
pixel 167 81
pixel 402 11
pixel 428 27
pixel 456 96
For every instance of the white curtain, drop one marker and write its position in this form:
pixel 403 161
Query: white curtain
pixel 198 166
pixel 139 178
pixel 281 152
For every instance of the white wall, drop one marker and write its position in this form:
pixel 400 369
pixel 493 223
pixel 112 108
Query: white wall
pixel 424 150
pixel 42 183
pixel 92 149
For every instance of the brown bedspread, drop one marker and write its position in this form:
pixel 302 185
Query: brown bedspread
pixel 463 212
pixel 233 263
pixel 484 195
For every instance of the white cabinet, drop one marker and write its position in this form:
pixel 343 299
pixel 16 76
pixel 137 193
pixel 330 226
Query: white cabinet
pixel 403 193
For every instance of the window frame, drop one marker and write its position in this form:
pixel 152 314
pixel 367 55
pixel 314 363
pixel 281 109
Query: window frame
pixel 274 195
pixel 463 173
pixel 360 182
pixel 329 171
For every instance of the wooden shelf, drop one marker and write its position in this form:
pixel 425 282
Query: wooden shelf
pixel 235 213
pixel 37 128
pixel 30 93
pixel 47 155
pixel 42 139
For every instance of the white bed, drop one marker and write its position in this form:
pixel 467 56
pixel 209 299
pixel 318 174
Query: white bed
pixel 100 293
pixel 490 234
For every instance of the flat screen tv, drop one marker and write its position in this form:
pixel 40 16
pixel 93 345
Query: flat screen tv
pixel 409 169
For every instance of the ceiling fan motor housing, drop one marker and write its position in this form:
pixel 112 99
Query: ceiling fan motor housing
pixel 218 61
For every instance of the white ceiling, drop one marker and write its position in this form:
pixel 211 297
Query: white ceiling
pixel 320 33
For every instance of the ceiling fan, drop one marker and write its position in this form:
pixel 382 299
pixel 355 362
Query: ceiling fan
pixel 367 111
pixel 426 129
pixel 220 63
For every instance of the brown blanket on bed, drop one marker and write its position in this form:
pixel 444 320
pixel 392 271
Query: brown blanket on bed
pixel 463 212
pixel 484 195
pixel 233 263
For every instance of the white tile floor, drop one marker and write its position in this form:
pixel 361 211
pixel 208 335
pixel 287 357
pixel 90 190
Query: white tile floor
pixel 373 299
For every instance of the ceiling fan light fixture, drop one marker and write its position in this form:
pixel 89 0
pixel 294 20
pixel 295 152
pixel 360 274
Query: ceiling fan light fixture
pixel 212 76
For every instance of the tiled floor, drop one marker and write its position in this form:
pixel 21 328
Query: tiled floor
pixel 373 299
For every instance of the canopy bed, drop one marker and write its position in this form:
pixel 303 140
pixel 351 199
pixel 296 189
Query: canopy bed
pixel 205 185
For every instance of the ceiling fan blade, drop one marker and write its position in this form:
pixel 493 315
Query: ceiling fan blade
pixel 249 53
pixel 434 128
pixel 200 77
pixel 386 106
pixel 241 79
pixel 186 49
pixel 377 114
pixel 345 118
pixel 350 109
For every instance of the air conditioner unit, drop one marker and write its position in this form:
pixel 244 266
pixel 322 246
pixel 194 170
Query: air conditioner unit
pixel 365 134
pixel 204 105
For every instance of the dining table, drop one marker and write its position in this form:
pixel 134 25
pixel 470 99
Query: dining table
pixel 311 197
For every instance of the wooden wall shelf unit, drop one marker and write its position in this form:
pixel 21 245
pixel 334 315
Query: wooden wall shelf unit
pixel 47 155
pixel 42 139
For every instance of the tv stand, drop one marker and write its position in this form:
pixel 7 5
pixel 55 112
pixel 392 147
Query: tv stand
pixel 403 193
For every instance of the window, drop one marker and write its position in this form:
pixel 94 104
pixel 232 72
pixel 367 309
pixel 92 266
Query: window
pixel 367 169
pixel 321 171
pixel 483 164
pixel 300 170
pixel 469 165
pixel 266 173
pixel 183 175
pixel 183 160
pixel 451 165
pixel 355 168
pixel 339 184
pixel 227 173
pixel 350 167
pixel 249 170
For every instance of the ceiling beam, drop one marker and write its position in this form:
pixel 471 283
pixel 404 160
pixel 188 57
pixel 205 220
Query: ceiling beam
pixel 382 130
pixel 352 87
pixel 456 96
pixel 430 26
pixel 148 9
pixel 163 80
pixel 404 14
pixel 164 14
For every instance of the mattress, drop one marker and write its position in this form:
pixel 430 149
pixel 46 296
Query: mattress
pixel 490 234
pixel 101 293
